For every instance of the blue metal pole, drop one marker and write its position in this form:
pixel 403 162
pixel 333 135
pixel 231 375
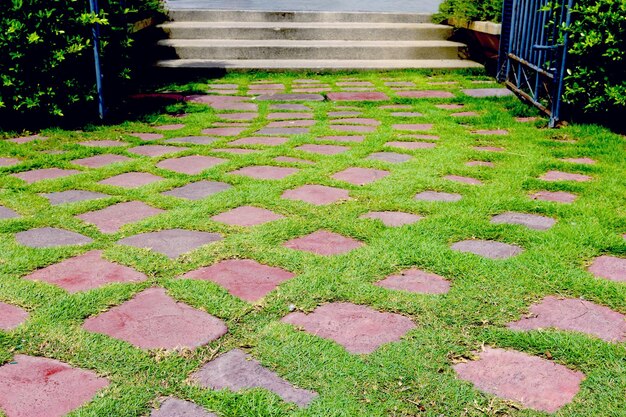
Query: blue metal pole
pixel 556 112
pixel 93 7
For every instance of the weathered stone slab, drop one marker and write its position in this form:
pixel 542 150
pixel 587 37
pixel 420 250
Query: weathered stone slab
pixel 290 97
pixel 11 316
pixel 323 149
pixel 357 139
pixel 173 126
pixel 49 237
pixel 411 145
pixel 191 165
pixel 72 196
pixel 282 131
pixel 554 196
pixel 324 243
pixel 111 219
pixel 273 141
pixel 417 281
pixel 463 180
pixel 100 160
pixel 488 248
pixel 103 143
pixel 532 221
pixel 261 172
pixel 393 218
pixel 171 243
pixel 609 267
pixel 198 190
pixel 194 140
pixel 425 94
pixel 147 136
pixel 358 96
pixel 173 407
pixel 412 127
pixel 360 176
pixel 438 196
pixel 9 162
pixel 223 131
pixel 44 174
pixel 6 213
pixel 317 194
pixel 131 180
pixel 487 92
pixel 390 157
pixel 155 150
pixel 564 176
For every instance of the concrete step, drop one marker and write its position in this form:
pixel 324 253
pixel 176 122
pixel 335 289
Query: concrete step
pixel 194 15
pixel 326 65
pixel 306 31
pixel 288 49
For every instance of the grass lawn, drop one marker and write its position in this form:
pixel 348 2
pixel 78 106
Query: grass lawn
pixel 411 377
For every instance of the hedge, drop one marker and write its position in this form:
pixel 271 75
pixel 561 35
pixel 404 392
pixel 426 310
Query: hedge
pixel 46 55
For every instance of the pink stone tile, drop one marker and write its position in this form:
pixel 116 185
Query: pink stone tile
pixel 103 143
pixel 266 86
pixel 357 139
pixel 171 243
pixel 85 272
pixel 235 151
pixel 400 84
pixel 355 84
pixel 290 107
pixel 488 148
pixel 583 161
pixel 412 127
pixel 265 172
pixel 390 157
pixel 480 164
pixel 464 180
pixel 289 159
pixel 155 150
pixel 534 382
pixel 411 145
pixel 554 196
pixel 363 96
pixel 195 140
pixel 344 113
pixel 191 165
pixel 9 162
pixel 148 136
pixel 153 320
pixel 324 243
pixel 353 128
pixel 360 176
pixel 575 315
pixel 532 221
pixel 357 328
pixel 243 278
pixel 224 102
pixel 49 237
pixel 198 190
pixel 223 131
pixel 247 216
pixel 609 267
pixel 173 407
pixel 356 121
pixel 111 219
pixel 289 116
pixel 393 218
pixel 486 132
pixel 323 149
pixel 6 213
pixel 131 180
pixel 44 174
pixel 564 176
pixel 488 248
pixel 273 141
pixel 282 131
pixel 174 126
pixel 317 194
pixel 100 160
pixel 438 196
pixel 291 97
pixel 236 371
pixel 292 123
pixel 417 281
pixel 11 316
pixel 426 94
pixel 41 387
pixel 72 196
pixel 238 116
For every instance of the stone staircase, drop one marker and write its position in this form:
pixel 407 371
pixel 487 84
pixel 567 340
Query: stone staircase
pixel 198 38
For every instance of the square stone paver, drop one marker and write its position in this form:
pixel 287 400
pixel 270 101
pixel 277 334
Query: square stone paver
pixel 41 387
pixel 358 96
pixel 411 145
pixel 198 190
pixel 356 121
pixel 111 219
pixel 575 315
pixel 147 136
pixel 49 237
pixel 412 127
pixel 238 116
pixel 155 150
pixel 290 107
pixel 318 195
pixel 131 180
pixel 336 138
pixel 171 243
pixel 534 382
pixel 290 97
pixel 390 157
pixel 173 407
pixel 554 196
pixel 269 131
pixel 45 174
pixel 8 162
pixel 360 176
pixel 100 160
pixel 191 165
pixel 85 272
pixel 609 267
pixel 425 94
pixel 11 316
pixel 357 328
pixel 243 278
pixel 289 116
pixel 72 196
pixel 236 371
pixel 488 248
pixel 6 213
pixel 265 172
pixel 224 131
pixel 324 243
pixel 353 128
pixel 292 123
pixel 103 143
pixel 393 218
pixel 564 176
pixel 194 140
pixel 532 221
pixel 323 149
pixel 153 320
pixel 417 281
pixel 438 196
pixel 264 141
pixel 463 180
pixel 247 216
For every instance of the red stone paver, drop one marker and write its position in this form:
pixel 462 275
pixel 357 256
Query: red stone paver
pixel 238 116
pixel 6 213
pixel 564 176
pixel 407 114
pixel 44 174
pixel 247 216
pixel 72 196
pixel 9 162
pixel 236 151
pixel 224 131
pixel 396 107
pixel 353 128
pixel 171 243
pixel 317 194
pixel 11 316
pixel 198 190
pixel 103 143
pixel 323 149
pixel 609 267
pixel 111 219
pixel 413 127
pixel 292 123
pixel 195 140
pixel 358 96
pixel 575 315
pixel 243 278
pixel 274 141
pixel 148 136
pixel 420 137
pixel 411 145
pixel 173 407
pixel 225 102
pixel 393 218
pixel 426 94
pixel 262 172
pixel 534 382
pixel 488 248
pixel 269 131
pixel 582 161
pixel 131 180
pixel 324 243
pixel 417 281
pixel 532 221
pixel 355 84
pixel 344 113
pixel 357 328
pixel 155 150
pixel 153 320
pixel 100 160
pixel 463 180
pixel 357 139
pixel 41 387
pixel 191 165
pixel 291 97
pixel 356 121
pixel 49 237
pixel 290 107
pixel 400 84
pixel 85 272
pixel 360 176
pixel 390 157
pixel 554 196
pixel 289 116
pixel 236 371
pixel 438 196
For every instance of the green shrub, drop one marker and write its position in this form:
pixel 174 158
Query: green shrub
pixel 46 55
pixel 470 10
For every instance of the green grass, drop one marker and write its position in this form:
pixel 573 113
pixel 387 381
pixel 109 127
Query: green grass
pixel 413 377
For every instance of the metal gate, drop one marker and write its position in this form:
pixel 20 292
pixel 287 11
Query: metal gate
pixel 533 51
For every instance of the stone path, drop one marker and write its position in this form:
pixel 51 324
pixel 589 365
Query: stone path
pixel 169 237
